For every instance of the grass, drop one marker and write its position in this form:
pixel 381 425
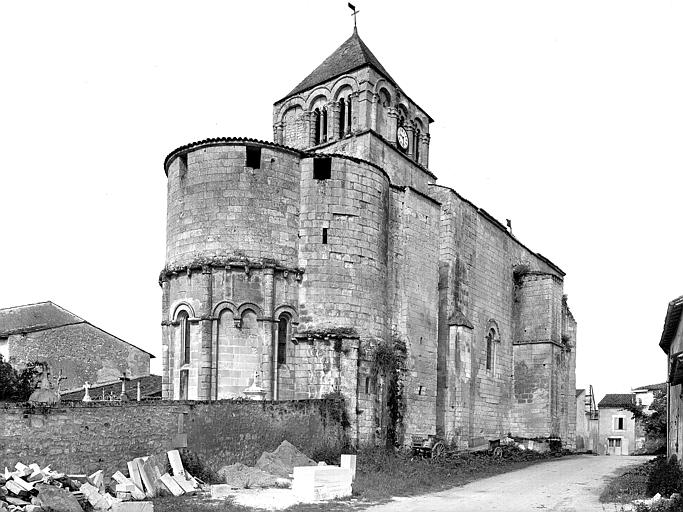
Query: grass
pixel 629 485
pixel 381 475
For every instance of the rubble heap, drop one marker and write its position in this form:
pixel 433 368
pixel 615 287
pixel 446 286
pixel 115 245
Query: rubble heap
pixel 35 489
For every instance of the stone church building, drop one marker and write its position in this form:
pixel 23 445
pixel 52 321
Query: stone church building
pixel 289 265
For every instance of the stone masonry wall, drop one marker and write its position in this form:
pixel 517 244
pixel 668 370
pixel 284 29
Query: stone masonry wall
pixel 82 352
pixel 219 207
pixel 82 438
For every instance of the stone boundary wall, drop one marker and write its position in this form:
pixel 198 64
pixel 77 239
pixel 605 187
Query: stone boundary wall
pixel 84 437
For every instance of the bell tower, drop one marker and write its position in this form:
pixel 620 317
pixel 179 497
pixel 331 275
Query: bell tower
pixel 350 104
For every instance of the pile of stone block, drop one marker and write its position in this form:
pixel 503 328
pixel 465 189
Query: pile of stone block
pixel 35 489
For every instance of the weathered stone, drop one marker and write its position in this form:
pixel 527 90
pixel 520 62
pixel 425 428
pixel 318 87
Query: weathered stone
pixel 56 499
pixel 282 461
pixel 240 476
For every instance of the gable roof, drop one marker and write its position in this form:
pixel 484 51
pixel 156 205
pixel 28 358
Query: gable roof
pixel 351 55
pixel 616 400
pixel 35 317
pixel 652 387
pixel 673 317
pixel 579 391
pixel 43 316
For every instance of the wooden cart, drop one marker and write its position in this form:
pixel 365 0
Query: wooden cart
pixel 428 446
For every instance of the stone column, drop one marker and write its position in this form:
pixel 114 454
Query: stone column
pixel 206 335
pixel 166 389
pixel 333 120
pixel 306 119
pixel 348 386
pixel 392 125
pixel 269 355
pixel 374 106
pixel 278 132
pixel 424 149
pixel 411 143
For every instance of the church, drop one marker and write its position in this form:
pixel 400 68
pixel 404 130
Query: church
pixel 331 262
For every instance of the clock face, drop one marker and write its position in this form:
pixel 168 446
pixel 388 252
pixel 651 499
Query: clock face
pixel 402 138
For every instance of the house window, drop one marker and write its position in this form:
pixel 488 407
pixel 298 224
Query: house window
pixel 619 423
pixel 253 157
pixel 184 378
pixel 184 327
pixel 4 348
pixel 490 349
pixel 322 168
pixel 282 335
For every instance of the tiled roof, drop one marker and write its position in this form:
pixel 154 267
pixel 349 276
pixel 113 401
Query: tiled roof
pixel 616 400
pixel 653 387
pixel 35 317
pixel 150 386
pixel 352 54
pixel 41 317
pixel 671 321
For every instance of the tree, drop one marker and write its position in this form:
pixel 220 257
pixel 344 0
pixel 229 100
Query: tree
pixel 16 386
pixel 654 422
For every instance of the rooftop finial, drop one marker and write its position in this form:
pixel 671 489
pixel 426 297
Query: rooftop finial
pixel 353 8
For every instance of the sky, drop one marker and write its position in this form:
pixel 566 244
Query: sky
pixel 565 117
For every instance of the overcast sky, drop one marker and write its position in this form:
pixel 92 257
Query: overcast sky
pixel 566 117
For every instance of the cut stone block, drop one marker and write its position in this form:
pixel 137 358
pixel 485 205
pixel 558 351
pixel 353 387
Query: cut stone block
pixel 184 483
pixel 97 479
pixel 133 506
pixel 15 488
pixel 172 485
pixel 134 473
pixel 136 492
pixel 220 491
pixel 147 476
pixel 22 469
pixel 349 462
pixel 176 463
pixel 321 483
pixel 27 486
pixel 16 501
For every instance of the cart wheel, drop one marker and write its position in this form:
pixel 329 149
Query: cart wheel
pixel 438 450
pixel 498 452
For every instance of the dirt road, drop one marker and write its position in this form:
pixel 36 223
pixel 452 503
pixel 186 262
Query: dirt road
pixel 562 485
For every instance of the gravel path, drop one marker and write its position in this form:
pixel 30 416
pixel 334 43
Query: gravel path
pixel 569 484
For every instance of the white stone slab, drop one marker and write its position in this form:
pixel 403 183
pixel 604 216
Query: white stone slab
pixel 349 462
pixel 134 472
pixel 172 485
pixel 319 483
pixel 176 463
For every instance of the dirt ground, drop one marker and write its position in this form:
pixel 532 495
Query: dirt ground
pixel 569 484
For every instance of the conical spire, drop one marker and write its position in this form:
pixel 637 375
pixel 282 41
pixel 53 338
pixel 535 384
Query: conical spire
pixel 351 55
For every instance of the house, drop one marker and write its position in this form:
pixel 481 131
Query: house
pixel 149 387
pixel 82 352
pixel 617 427
pixel 304 266
pixel 671 342
pixel 645 395
pixel 586 420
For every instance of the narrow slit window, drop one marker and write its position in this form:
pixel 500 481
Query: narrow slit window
pixel 182 163
pixel 324 235
pixel 342 118
pixel 322 168
pixel 254 157
pixel 282 334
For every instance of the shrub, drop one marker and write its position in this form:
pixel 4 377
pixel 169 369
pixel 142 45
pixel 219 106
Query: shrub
pixel 666 477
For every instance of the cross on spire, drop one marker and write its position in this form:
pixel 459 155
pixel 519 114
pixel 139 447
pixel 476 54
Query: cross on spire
pixel 353 8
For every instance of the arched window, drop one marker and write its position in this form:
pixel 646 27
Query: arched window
pixel 316 125
pixel 282 337
pixel 184 328
pixel 490 349
pixel 342 118
pixel 324 125
pixel 348 114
